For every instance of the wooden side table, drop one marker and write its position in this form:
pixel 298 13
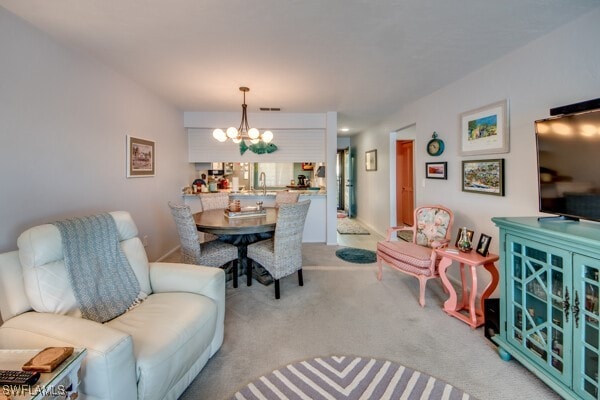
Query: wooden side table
pixel 62 383
pixel 475 315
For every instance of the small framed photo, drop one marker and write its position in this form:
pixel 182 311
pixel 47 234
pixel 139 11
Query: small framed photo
pixel 470 234
pixel 485 130
pixel 141 157
pixel 436 170
pixel 483 176
pixel 371 160
pixel 483 245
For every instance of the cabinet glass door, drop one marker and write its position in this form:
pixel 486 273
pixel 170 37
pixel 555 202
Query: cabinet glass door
pixel 586 336
pixel 538 319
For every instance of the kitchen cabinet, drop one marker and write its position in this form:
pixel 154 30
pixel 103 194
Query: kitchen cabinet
pixel 549 301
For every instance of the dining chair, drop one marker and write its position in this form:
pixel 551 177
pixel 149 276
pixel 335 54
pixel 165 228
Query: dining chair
pixel 431 229
pixel 281 255
pixel 285 196
pixel 212 254
pixel 212 201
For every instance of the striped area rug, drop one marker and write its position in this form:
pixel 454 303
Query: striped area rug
pixel 342 377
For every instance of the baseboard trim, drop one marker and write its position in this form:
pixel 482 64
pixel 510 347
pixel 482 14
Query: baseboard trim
pixel 168 254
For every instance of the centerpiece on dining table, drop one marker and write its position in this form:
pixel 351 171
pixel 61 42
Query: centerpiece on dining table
pixel 235 210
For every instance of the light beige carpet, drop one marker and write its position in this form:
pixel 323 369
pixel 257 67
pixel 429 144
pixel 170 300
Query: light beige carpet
pixel 344 309
pixel 348 226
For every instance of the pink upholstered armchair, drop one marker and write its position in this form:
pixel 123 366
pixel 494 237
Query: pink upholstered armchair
pixel 431 229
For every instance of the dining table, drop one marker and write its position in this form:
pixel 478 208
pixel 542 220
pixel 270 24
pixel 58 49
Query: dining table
pixel 239 231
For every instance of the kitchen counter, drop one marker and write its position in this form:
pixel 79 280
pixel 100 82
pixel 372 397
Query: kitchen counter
pixel 270 193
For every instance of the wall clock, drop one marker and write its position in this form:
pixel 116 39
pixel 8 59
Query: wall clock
pixel 435 146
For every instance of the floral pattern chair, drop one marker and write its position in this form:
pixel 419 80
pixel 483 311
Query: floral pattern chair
pixel 431 230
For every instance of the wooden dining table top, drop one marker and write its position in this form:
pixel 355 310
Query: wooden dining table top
pixel 215 222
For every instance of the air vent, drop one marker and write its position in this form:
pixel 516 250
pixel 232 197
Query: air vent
pixel 270 109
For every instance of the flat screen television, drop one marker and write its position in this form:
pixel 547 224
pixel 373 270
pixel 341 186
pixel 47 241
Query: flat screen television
pixel 568 155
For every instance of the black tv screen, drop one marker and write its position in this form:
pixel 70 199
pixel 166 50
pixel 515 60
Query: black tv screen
pixel 568 153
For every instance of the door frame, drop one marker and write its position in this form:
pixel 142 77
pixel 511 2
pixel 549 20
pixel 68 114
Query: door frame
pixel 341 179
pixel 408 132
pixel 405 205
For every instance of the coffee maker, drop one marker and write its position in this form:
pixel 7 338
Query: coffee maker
pixel 301 180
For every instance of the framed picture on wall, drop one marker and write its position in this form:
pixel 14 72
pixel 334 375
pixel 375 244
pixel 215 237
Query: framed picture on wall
pixel 485 130
pixel 436 170
pixel 371 160
pixel 141 157
pixel 483 176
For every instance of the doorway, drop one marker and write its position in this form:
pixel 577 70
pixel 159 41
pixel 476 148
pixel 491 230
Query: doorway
pixel 346 197
pixel 340 176
pixel 405 190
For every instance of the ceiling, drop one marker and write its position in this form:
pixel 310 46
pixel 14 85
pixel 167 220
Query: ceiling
pixel 364 59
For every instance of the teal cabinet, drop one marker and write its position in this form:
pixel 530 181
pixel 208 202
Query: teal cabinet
pixel 549 301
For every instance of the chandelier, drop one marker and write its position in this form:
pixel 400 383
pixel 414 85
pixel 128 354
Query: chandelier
pixel 244 131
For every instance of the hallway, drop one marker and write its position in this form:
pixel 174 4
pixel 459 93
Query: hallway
pixel 368 242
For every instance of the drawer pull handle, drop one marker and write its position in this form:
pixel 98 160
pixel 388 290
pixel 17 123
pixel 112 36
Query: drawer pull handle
pixel 576 310
pixel 566 305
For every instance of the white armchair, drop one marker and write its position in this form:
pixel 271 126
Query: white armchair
pixel 151 352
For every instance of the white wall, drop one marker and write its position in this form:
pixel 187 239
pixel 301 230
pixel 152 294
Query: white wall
pixel 560 68
pixel 299 137
pixel 63 121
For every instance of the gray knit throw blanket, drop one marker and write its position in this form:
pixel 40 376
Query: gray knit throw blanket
pixel 103 282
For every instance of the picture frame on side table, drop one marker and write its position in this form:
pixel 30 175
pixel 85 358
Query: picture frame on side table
pixel 483 176
pixel 483 245
pixel 141 157
pixel 436 170
pixel 371 160
pixel 485 130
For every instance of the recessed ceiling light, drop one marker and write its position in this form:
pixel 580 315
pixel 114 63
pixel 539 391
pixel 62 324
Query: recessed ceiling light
pixel 344 129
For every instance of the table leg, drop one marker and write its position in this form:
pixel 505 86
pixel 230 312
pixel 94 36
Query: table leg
pixel 243 256
pixel 463 299
pixel 472 309
pixel 450 304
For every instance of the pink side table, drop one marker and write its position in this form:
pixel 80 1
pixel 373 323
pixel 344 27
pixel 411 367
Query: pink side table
pixel 475 315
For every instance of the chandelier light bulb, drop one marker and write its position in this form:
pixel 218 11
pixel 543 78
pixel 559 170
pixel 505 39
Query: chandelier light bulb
pixel 254 141
pixel 267 136
pixel 219 135
pixel 232 132
pixel 253 133
pixel 236 140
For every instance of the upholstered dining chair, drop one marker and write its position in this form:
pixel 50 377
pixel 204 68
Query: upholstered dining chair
pixel 286 196
pixel 431 230
pixel 212 254
pixel 281 255
pixel 212 201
